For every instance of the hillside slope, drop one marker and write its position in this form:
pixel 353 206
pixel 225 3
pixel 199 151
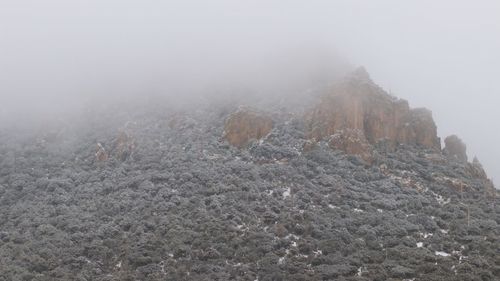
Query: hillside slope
pixel 166 197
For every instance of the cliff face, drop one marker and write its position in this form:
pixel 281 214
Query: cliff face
pixel 356 113
pixel 357 103
pixel 359 118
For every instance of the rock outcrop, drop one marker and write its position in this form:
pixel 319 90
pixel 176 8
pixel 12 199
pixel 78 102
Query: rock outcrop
pixel 101 155
pixel 124 145
pixel 352 141
pixel 476 169
pixel 455 148
pixel 359 104
pixel 245 125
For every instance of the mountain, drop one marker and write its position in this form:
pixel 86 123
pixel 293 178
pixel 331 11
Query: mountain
pixel 351 185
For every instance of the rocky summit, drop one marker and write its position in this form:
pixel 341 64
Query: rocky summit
pixel 360 104
pixel 352 185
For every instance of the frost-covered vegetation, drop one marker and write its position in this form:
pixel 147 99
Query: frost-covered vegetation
pixel 182 204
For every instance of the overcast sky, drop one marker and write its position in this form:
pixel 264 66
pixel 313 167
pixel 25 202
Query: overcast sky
pixel 444 55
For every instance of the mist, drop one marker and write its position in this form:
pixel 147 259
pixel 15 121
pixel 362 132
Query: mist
pixel 59 56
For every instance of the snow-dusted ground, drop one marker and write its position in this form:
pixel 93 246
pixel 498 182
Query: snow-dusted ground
pixel 186 206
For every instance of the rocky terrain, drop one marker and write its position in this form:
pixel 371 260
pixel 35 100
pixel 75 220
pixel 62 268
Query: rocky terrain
pixel 354 186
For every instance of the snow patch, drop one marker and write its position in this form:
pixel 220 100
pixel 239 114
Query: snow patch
pixel 440 253
pixel 287 193
pixel 233 265
pixel 420 244
pixel 425 235
pixel 440 199
pixel 317 253
pixel 242 227
pixel 292 236
pixel 361 270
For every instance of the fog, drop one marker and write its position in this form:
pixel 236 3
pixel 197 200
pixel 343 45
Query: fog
pixel 56 56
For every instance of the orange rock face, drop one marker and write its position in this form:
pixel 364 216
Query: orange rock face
pixel 352 141
pixel 245 125
pixel 359 104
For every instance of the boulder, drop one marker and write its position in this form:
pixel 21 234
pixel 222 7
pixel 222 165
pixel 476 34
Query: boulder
pixel 455 148
pixel 359 104
pixel 245 125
